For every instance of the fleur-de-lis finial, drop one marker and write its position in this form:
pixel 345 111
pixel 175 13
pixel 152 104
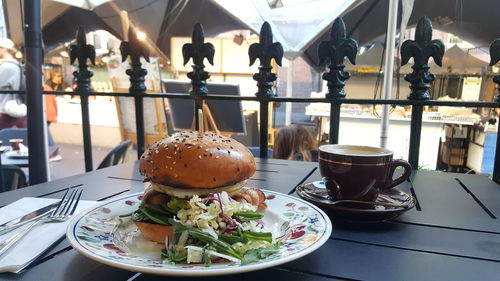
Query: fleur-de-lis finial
pixel 495 57
pixel 335 50
pixel 81 50
pixel 265 50
pixel 198 50
pixel 421 49
pixel 135 48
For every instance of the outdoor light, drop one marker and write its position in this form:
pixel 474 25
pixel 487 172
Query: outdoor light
pixel 141 35
pixel 238 39
pixel 18 55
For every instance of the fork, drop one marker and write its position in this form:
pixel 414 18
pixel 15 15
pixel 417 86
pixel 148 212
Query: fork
pixel 64 211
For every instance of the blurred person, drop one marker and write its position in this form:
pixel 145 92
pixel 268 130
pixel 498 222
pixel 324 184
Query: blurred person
pixel 53 83
pixel 12 107
pixel 294 142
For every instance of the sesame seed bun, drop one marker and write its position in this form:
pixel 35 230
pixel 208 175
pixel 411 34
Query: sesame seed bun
pixel 188 161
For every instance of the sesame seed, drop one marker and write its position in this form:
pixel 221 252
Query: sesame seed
pixel 173 163
pixel 199 156
pixel 217 157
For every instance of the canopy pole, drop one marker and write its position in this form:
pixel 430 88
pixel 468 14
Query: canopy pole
pixel 289 92
pixel 37 125
pixel 388 69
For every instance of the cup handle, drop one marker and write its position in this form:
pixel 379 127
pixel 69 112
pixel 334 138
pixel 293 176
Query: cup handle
pixel 332 187
pixel 392 167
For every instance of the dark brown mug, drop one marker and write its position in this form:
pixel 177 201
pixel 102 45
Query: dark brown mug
pixel 359 172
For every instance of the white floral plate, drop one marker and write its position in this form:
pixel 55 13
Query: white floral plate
pixel 95 234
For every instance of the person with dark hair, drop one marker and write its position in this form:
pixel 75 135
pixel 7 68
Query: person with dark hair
pixel 12 108
pixel 294 142
pixel 53 83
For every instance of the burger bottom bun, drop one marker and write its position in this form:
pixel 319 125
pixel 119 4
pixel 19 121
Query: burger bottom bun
pixel 155 232
pixel 185 193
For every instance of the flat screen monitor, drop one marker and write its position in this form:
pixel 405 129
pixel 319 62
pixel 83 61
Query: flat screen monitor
pixel 228 114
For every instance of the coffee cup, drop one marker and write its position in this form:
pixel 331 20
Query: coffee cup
pixel 15 144
pixel 353 172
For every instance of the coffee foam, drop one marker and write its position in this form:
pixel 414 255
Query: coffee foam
pixel 355 150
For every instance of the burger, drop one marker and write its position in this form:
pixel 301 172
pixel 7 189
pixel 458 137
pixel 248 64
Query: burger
pixel 185 165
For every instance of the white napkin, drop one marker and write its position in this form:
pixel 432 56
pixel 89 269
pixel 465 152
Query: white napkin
pixel 38 239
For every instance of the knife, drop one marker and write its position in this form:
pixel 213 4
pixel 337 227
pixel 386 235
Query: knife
pixel 22 220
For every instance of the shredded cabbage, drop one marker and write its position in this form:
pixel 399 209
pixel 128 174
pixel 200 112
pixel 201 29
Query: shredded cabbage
pixel 206 216
pixel 217 214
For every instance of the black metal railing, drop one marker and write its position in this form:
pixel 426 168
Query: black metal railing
pixel 334 51
pixel 413 153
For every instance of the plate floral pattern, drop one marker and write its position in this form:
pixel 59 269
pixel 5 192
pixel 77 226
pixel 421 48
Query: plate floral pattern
pixel 301 226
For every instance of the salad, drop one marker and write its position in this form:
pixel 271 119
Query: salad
pixel 209 229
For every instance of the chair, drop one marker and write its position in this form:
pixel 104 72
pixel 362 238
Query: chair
pixel 116 155
pixel 19 133
pixel 256 151
pixel 13 177
pixel 13 133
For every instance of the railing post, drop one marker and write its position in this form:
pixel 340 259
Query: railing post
pixel 335 50
pixel 495 57
pixel 136 49
pixel 421 49
pixel 333 132
pixel 198 50
pixel 38 158
pixel 82 51
pixel 265 50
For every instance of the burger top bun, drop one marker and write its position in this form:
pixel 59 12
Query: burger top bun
pixel 188 161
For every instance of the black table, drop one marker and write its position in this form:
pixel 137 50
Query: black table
pixel 453 234
pixel 21 162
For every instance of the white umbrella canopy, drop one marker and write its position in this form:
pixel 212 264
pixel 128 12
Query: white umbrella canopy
pixel 458 61
pixel 84 4
pixel 295 23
